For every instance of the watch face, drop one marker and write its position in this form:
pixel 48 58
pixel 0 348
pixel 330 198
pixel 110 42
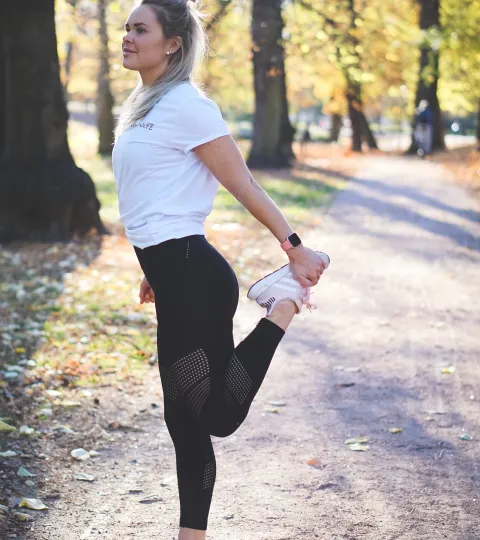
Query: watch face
pixel 294 239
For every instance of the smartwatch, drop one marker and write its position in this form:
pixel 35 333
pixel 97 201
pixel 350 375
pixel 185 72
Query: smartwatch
pixel 292 241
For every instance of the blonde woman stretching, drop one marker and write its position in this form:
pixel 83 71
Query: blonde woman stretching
pixel 172 150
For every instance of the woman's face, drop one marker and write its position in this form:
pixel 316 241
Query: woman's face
pixel 144 44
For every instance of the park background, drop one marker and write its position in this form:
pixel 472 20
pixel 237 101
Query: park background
pixel 77 351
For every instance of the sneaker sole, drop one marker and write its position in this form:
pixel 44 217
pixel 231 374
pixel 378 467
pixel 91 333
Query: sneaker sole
pixel 257 288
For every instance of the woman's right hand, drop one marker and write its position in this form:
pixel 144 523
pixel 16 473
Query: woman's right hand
pixel 146 292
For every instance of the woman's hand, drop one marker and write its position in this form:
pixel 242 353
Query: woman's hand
pixel 146 292
pixel 306 265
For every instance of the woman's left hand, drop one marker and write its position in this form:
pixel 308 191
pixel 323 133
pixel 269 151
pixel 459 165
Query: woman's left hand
pixel 306 265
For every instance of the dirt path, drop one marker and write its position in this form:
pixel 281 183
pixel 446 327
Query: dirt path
pixel 399 303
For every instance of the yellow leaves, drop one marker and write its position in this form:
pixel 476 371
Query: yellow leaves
pixel 395 429
pixel 20 350
pixel 448 370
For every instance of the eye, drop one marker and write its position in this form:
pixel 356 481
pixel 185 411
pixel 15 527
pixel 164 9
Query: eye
pixel 141 30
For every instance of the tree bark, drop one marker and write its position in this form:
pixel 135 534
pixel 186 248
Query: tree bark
pixel 360 128
pixel 44 196
pixel 336 127
pixel 427 84
pixel 273 132
pixel 478 127
pixel 104 95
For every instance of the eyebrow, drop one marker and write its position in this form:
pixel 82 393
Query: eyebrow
pixel 137 24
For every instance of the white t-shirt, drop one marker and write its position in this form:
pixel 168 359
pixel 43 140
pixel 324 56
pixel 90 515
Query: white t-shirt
pixel 164 190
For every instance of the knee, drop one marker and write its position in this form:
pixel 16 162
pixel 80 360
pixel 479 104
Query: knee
pixel 224 429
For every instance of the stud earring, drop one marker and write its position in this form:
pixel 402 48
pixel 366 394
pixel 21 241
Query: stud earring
pixel 168 53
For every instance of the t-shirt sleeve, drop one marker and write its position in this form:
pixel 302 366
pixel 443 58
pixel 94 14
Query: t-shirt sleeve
pixel 198 121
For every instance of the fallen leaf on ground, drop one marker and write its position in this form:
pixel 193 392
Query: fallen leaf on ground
pixel 314 462
pixel 358 447
pixel 466 437
pixel 80 454
pixel 22 517
pixel 6 427
pixel 150 498
pixel 84 476
pixel 70 404
pixel 94 453
pixel 24 473
pixel 135 491
pixel 277 403
pixel 8 453
pixel 345 385
pixel 3 508
pixel 395 429
pixel 356 440
pixel 33 504
pixel 25 430
pixel 450 369
pixel 272 410
pixel 168 480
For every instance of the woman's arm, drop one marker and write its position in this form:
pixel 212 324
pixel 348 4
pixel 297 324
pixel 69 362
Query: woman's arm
pixel 222 156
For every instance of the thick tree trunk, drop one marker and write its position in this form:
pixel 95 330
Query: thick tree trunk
pixel 44 196
pixel 273 132
pixel 104 95
pixel 429 74
pixel 335 127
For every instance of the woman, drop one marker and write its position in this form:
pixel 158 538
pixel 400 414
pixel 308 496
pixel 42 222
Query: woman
pixel 171 151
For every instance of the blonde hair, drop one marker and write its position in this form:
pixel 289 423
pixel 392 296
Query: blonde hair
pixel 177 18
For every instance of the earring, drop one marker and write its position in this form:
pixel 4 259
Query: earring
pixel 168 53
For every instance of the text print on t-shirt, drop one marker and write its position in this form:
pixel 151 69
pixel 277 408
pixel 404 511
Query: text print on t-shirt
pixel 144 125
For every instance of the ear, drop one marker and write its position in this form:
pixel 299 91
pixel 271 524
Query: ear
pixel 175 44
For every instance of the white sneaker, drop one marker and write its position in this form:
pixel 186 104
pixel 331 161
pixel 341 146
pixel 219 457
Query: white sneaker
pixel 281 285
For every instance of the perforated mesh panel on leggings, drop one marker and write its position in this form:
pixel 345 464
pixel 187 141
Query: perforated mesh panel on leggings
pixel 208 383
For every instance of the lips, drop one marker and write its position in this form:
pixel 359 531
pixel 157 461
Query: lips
pixel 127 51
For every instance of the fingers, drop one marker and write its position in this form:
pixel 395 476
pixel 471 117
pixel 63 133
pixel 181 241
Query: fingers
pixel 146 295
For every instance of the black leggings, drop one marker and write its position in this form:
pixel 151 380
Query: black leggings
pixel 208 383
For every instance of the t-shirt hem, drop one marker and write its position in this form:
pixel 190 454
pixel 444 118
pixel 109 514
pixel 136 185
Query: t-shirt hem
pixel 187 229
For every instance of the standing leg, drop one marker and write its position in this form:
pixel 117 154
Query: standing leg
pixel 208 384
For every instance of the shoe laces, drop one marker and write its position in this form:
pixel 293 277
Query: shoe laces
pixel 306 300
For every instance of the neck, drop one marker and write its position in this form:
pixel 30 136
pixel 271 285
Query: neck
pixel 151 75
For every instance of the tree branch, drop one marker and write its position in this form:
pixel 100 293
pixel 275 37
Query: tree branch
pixel 218 15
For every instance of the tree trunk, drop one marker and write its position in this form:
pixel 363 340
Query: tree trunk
pixel 360 127
pixel 355 114
pixel 273 132
pixel 429 74
pixel 478 127
pixel 44 196
pixel 336 127
pixel 104 95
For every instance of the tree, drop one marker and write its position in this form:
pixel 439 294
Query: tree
pixel 342 32
pixel 104 95
pixel 459 85
pixel 44 196
pixel 427 85
pixel 273 133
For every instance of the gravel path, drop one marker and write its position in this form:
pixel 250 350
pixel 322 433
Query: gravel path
pixel 399 303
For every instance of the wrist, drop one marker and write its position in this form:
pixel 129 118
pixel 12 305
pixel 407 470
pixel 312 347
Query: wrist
pixel 294 252
pixel 292 241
